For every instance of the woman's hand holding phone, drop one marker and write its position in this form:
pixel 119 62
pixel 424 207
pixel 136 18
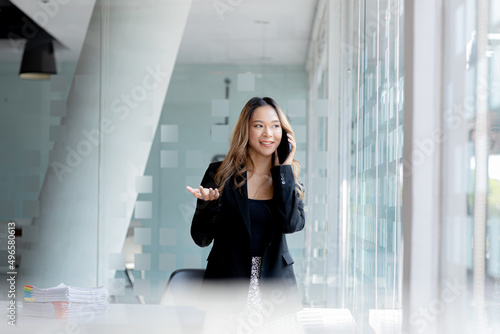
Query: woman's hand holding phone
pixel 206 194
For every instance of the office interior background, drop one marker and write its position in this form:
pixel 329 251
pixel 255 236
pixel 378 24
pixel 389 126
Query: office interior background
pixel 395 107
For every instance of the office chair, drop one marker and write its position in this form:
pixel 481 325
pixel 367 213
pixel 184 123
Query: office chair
pixel 183 287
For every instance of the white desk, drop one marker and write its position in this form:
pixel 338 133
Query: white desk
pixel 152 319
pixel 121 318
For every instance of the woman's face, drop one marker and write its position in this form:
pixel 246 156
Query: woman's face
pixel 264 131
pixel 494 132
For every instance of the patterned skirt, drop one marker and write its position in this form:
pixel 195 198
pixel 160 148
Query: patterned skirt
pixel 256 316
pixel 254 299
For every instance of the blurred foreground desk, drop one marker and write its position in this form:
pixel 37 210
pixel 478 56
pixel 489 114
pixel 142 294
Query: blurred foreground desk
pixel 152 319
pixel 120 319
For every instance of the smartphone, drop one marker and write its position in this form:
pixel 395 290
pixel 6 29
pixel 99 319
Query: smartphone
pixel 284 148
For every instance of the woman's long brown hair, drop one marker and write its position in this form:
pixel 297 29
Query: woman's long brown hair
pixel 237 158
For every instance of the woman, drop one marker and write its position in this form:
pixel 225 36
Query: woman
pixel 245 205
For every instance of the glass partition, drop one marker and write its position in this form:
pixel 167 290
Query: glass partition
pixel 376 118
pixel 48 168
pixel 94 161
pixel 360 236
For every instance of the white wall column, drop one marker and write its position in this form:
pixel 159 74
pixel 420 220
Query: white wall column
pixel 421 171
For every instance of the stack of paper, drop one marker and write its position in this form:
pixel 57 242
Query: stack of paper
pixel 65 301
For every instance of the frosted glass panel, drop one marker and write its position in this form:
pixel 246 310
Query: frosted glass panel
pixel 246 82
pixel 142 287
pixel 220 108
pixel 142 262
pixel 116 261
pixel 169 133
pixel 220 133
pixel 142 236
pixel 296 108
pixel 143 210
pixel 169 159
pixel 300 132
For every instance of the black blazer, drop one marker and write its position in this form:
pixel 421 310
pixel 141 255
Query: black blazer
pixel 226 222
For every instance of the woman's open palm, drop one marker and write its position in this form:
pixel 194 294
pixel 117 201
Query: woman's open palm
pixel 206 194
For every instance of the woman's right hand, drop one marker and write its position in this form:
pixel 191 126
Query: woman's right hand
pixel 206 194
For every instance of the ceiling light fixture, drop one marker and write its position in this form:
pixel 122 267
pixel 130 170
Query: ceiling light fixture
pixel 38 60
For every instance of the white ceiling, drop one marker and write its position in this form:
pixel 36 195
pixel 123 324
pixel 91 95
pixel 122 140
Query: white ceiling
pixel 217 31
pixel 250 31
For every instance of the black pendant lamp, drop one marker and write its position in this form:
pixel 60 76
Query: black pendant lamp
pixel 38 60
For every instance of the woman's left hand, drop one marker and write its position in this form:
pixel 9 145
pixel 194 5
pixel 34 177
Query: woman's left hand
pixel 291 155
